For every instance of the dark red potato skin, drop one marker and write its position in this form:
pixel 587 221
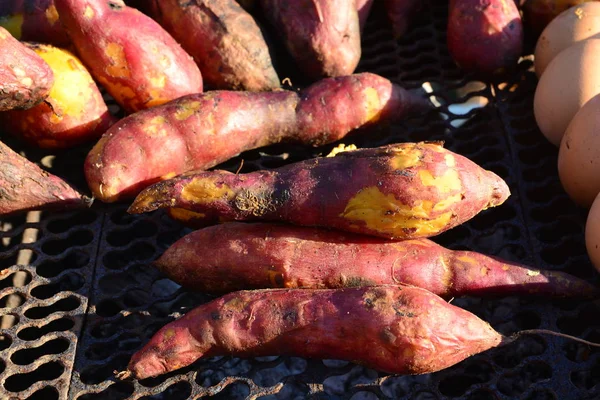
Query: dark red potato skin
pixel 200 131
pixel 24 186
pixel 364 8
pixel 485 37
pixel 393 329
pixel 323 36
pixel 238 256
pixel 224 40
pixel 136 60
pixel 401 191
pixel 25 79
pixel 33 21
pixel 400 13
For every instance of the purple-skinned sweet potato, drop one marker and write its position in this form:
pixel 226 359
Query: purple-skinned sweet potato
pixel 323 36
pixel 25 186
pixel 485 37
pixel 393 329
pixel 25 78
pixel 240 256
pixel 400 191
pixel 400 13
pixel 200 131
pixel 130 54
pixel 223 39
pixel 33 21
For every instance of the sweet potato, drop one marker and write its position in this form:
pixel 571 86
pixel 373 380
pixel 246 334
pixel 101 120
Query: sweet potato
pixel 394 329
pixel 485 37
pixel 537 14
pixel 24 186
pixel 73 112
pixel 223 39
pixel 400 13
pixel 203 130
pixel 401 191
pixel 364 8
pixel 323 36
pixel 135 59
pixel 33 21
pixel 25 79
pixel 237 256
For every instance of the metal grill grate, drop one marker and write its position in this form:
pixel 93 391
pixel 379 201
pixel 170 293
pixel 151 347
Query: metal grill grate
pixel 78 297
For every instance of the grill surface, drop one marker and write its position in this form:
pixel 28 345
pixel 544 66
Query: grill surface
pixel 78 297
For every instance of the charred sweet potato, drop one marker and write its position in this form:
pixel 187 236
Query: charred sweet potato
pixel 135 59
pixel 25 79
pixel 224 40
pixel 400 13
pixel 238 256
pixel 200 131
pixel 394 329
pixel 400 191
pixel 24 186
pixel 33 21
pixel 73 112
pixel 323 36
pixel 485 37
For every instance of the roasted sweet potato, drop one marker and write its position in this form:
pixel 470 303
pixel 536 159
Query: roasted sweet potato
pixel 400 191
pixel 25 79
pixel 135 59
pixel 224 40
pixel 323 36
pixel 203 130
pixel 24 186
pixel 33 21
pixel 537 14
pixel 485 37
pixel 364 8
pixel 238 256
pixel 400 13
pixel 74 112
pixel 394 329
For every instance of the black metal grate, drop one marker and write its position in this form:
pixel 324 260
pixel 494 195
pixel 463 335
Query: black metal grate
pixel 78 297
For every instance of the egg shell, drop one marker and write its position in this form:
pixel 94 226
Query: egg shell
pixel 572 26
pixel 570 80
pixel 579 155
pixel 592 233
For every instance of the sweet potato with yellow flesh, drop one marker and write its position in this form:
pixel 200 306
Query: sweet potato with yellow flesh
pixel 237 256
pixel 25 79
pixel 200 131
pixel 223 39
pixel 33 21
pixel 73 112
pixel 135 59
pixel 25 186
pixel 401 191
pixel 393 329
pixel 400 13
pixel 323 36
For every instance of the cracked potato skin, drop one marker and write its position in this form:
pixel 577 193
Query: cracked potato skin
pixel 25 78
pixel 199 131
pixel 393 329
pixel 400 191
pixel 242 256
pixel 130 54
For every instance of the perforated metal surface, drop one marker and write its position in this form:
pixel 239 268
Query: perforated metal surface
pixel 89 299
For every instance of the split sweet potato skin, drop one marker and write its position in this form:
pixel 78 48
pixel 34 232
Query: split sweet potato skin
pixel 240 256
pixel 135 59
pixel 223 39
pixel 200 131
pixel 33 21
pixel 74 111
pixel 394 329
pixel 25 79
pixel 485 37
pixel 401 191
pixel 25 186
pixel 323 36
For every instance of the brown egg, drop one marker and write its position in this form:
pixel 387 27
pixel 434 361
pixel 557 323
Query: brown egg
pixel 592 233
pixel 578 23
pixel 570 80
pixel 579 155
